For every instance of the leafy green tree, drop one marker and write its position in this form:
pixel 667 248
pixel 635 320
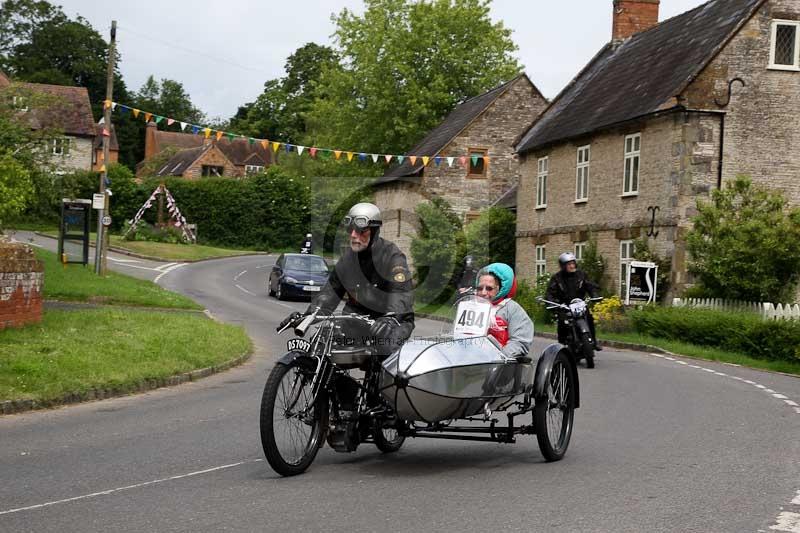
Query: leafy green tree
pixel 745 243
pixel 593 263
pixel 404 66
pixel 437 251
pixel 15 187
pixel 491 238
pixel 644 252
pixel 280 111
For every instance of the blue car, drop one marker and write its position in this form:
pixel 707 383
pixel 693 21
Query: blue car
pixel 297 276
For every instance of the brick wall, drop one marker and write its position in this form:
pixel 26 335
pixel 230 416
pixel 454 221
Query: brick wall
pixel 21 280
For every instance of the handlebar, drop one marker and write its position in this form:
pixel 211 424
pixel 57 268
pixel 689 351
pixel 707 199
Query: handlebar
pixel 557 305
pixel 303 322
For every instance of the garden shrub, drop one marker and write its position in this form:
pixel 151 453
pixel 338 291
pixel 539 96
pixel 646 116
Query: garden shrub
pixel 734 331
pixel 526 297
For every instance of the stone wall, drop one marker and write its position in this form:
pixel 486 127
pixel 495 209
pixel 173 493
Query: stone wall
pixel 761 124
pixel 213 156
pixel 78 157
pixel 21 283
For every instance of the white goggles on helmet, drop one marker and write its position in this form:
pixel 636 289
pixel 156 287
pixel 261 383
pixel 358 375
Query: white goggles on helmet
pixel 360 222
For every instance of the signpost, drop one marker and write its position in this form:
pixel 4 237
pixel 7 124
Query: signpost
pixel 642 278
pixel 73 237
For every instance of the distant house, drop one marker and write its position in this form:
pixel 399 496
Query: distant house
pixel 97 147
pixel 661 116
pixel 488 125
pixel 198 157
pixel 68 113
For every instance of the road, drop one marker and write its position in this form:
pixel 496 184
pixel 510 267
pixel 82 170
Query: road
pixel 660 444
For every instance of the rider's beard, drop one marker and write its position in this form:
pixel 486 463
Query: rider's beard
pixel 358 246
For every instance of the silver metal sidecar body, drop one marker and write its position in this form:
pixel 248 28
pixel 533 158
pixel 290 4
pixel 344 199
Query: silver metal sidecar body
pixel 430 380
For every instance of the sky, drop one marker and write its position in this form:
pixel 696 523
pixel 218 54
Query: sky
pixel 223 52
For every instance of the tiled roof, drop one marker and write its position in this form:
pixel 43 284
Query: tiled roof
pixel 69 110
pixel 508 200
pixel 181 160
pixel 447 130
pixel 641 75
pixel 239 151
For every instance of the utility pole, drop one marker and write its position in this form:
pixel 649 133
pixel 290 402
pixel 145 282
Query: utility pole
pixel 100 245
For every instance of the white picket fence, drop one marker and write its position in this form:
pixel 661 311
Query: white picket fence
pixel 767 310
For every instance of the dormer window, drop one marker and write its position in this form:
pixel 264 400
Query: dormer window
pixel 785 45
pixel 20 103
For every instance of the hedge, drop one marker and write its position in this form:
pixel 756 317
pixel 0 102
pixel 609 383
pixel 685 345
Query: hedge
pixel 746 333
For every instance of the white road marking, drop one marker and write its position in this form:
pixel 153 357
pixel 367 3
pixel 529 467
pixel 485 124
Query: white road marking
pixel 707 370
pixel 769 391
pixel 236 278
pixel 780 396
pixel 759 385
pixel 123 260
pixel 164 268
pixel 263 266
pixel 245 290
pixel 797 410
pixel 787 522
pixel 127 487
pixel 174 266
pixel 790 402
pixel 682 363
pixel 749 382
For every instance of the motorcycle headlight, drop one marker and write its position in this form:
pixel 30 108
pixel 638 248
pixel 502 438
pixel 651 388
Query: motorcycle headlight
pixel 289 279
pixel 577 307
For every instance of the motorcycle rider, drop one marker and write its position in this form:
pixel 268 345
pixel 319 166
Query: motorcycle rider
pixel 308 245
pixel 373 274
pixel 510 326
pixel 467 280
pixel 566 285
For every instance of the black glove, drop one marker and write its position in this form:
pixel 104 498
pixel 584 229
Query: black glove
pixel 384 327
pixel 289 319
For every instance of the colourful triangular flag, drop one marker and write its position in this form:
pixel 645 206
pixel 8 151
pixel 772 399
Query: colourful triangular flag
pixel 275 146
pixel 463 161
pixel 106 104
pixel 113 106
pixel 102 168
pixel 265 145
pixel 230 136
pixel 400 159
pixel 288 147
pixel 170 121
pixel 413 159
pixel 437 160
pixel 388 158
pixel 312 151
pixel 349 156
pixel 207 132
pixel 147 117
pixel 486 160
pixel 136 113
pixel 195 129
pixel 159 119
pixel 474 159
pixel 183 126
pixel 219 134
pixel 425 160
pixel 362 156
pixel 450 161
pixel 106 133
pixel 251 141
pixel 300 149
pixel 337 153
pixel 374 158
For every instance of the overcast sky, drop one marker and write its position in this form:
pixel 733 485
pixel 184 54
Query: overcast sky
pixel 224 51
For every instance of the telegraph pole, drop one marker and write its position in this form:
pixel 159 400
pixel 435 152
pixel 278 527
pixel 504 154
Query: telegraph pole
pixel 100 245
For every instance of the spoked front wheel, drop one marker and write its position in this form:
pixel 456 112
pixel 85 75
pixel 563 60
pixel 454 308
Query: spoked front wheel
pixel 553 414
pixel 292 427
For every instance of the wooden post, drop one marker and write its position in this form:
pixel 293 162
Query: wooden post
pixel 102 241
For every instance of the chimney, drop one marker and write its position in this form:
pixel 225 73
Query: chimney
pixel 633 16
pixel 150 141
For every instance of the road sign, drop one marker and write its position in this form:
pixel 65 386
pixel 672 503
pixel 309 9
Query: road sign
pixel 98 201
pixel 106 220
pixel 642 281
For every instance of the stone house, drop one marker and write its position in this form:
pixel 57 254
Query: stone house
pixel 488 125
pixel 198 157
pixel 67 112
pixel 662 115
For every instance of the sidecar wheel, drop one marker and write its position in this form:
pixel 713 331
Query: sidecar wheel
pixel 388 440
pixel 291 428
pixel 553 414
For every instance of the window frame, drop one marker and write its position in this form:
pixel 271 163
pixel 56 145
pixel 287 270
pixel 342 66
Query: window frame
pixel 772 45
pixel 625 264
pixel 483 174
pixel 541 260
pixel 542 171
pixel 60 146
pixel 19 103
pixel 248 169
pixel 209 175
pixel 585 166
pixel 634 154
pixel 579 249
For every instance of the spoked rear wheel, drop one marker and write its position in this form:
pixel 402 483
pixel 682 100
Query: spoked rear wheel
pixel 553 414
pixel 387 439
pixel 292 428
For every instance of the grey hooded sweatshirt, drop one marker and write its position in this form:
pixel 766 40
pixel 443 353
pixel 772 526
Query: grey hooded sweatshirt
pixel 520 328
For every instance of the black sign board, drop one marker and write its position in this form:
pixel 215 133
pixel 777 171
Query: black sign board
pixel 73 237
pixel 641 282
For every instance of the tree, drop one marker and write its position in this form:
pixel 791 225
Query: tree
pixel 437 251
pixel 404 66
pixel 280 111
pixel 15 187
pixel 491 238
pixel 745 243
pixel 593 263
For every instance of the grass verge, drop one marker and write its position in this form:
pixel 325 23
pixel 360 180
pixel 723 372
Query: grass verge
pixel 79 283
pixel 167 251
pixel 76 351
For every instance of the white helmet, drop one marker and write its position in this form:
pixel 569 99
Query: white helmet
pixel 566 257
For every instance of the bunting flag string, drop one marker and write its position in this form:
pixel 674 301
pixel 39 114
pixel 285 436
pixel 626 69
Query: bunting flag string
pixel 464 161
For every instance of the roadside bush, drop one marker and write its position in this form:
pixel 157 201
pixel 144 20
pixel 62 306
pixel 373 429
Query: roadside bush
pixel 491 237
pixel 610 315
pixel 150 233
pixel 593 263
pixel 739 332
pixel 526 297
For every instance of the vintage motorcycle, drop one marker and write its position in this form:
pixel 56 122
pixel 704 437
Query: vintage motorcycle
pixel 334 387
pixel 579 334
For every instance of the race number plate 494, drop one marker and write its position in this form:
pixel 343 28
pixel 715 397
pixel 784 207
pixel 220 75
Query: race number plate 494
pixel 298 345
pixel 472 319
